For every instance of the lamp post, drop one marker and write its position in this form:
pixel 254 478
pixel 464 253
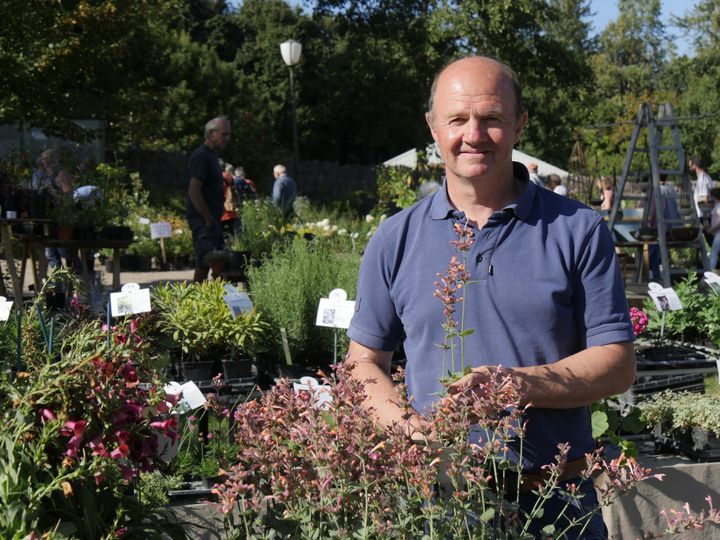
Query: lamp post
pixel 291 51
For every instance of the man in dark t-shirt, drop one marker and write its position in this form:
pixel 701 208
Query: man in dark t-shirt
pixel 206 194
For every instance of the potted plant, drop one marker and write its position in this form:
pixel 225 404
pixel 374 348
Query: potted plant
pixel 205 329
pixel 687 422
pixel 287 288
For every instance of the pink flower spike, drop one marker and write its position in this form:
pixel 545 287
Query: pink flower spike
pixel 120 452
pixel 47 415
pixel 76 428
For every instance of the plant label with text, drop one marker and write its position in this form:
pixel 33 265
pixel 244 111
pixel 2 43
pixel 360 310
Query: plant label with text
pixel 130 300
pixel 336 311
pixel 160 229
pixel 666 299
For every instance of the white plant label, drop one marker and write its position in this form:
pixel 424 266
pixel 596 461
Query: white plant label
pixel 161 229
pixel 666 299
pixel 712 280
pixel 336 311
pixel 143 221
pixel 320 392
pixel 238 302
pixel 192 396
pixel 5 306
pixel 130 300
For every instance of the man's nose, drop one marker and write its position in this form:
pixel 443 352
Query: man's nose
pixel 474 131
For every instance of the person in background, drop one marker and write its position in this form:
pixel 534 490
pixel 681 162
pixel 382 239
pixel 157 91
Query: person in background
pixel 547 301
pixel 714 228
pixel 557 186
pixel 244 186
pixel 703 184
pixel 206 194
pixel 534 176
pixel 229 218
pixel 54 180
pixel 607 193
pixel 284 191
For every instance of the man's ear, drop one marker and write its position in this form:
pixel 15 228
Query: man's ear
pixel 520 126
pixel 429 120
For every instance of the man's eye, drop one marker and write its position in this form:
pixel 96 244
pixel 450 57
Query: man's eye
pixel 456 121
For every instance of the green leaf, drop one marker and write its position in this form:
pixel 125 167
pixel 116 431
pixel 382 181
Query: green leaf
pixel 487 515
pixel 599 424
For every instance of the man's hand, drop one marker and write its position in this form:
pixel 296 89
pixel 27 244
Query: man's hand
pixel 210 232
pixel 472 382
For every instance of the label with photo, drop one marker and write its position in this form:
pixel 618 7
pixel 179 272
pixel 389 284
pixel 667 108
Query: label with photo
pixel 336 311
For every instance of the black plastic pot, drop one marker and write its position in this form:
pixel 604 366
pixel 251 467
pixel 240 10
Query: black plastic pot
pixel 198 371
pixel 238 368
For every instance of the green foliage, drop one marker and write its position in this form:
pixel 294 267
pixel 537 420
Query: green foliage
pixel 693 322
pixel 261 223
pixel 287 289
pixel 199 320
pixel 153 487
pixel 394 187
pixel 678 411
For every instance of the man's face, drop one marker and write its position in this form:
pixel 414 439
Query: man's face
pixel 474 120
pixel 219 137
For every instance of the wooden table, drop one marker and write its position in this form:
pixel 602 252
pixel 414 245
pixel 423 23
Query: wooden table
pixel 36 244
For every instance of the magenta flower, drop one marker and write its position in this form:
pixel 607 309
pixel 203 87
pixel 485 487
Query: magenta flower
pixel 75 429
pixel 639 320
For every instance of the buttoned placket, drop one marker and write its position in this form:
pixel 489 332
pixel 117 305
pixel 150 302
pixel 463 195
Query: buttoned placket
pixel 479 257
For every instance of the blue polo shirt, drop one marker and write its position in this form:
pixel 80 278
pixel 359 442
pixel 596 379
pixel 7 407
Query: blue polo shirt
pixel 546 284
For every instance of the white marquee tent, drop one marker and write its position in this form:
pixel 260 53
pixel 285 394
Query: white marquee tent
pixel 409 159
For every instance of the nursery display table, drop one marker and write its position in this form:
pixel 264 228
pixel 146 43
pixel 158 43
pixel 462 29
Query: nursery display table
pixel 673 365
pixel 33 245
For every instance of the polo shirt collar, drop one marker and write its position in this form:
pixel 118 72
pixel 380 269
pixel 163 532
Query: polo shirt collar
pixel 440 207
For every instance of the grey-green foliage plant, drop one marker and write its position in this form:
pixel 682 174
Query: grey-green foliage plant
pixel 287 288
pixel 261 221
pixel 199 320
pixel 680 411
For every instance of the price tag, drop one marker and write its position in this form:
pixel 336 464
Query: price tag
pixel 161 229
pixel 336 311
pixel 666 299
pixel 5 306
pixel 130 300
pixel 320 392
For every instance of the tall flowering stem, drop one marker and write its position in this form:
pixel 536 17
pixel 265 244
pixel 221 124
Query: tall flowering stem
pixel 448 290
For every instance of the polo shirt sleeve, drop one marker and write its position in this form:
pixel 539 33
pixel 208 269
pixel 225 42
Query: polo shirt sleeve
pixel 375 323
pixel 601 307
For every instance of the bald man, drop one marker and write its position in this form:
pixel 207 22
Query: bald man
pixel 546 302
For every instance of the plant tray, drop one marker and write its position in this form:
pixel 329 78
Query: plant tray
pixel 675 355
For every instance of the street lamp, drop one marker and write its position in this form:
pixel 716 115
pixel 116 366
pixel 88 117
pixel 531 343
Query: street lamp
pixel 291 51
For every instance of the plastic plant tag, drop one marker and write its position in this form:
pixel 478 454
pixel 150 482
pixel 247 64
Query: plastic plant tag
pixel 5 306
pixel 130 300
pixel 161 229
pixel 238 302
pixel 336 311
pixel 666 299
pixel 143 221
pixel 712 280
pixel 320 392
pixel 192 396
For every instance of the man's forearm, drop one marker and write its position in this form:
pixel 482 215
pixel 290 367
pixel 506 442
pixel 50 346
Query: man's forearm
pixel 580 379
pixel 577 380
pixel 380 391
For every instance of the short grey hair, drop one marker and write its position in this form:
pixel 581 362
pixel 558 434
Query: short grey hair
pixel 279 169
pixel 504 68
pixel 215 124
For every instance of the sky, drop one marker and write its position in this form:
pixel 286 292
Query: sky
pixel 607 11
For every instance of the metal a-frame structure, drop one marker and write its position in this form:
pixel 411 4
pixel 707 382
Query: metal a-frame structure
pixel 652 130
